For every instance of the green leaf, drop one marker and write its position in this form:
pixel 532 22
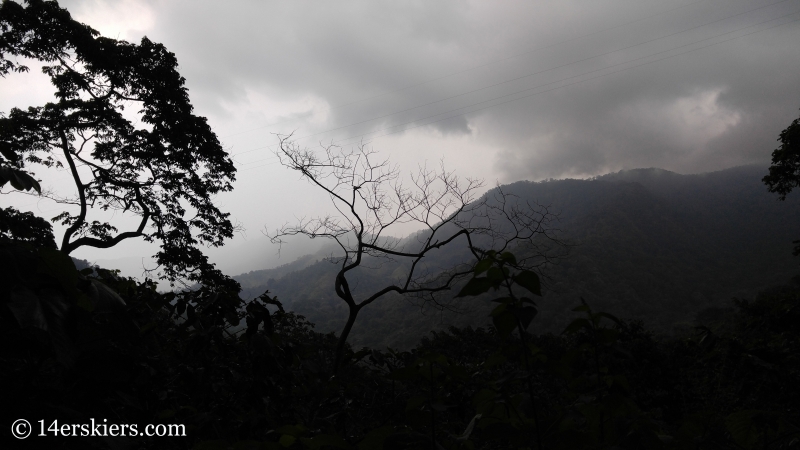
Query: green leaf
pixel 498 310
pixel 525 314
pixel 610 317
pixel 482 266
pixel 529 280
pixel 495 275
pixel 505 323
pixel 508 257
pixel 475 286
pixel 469 428
pixel 287 440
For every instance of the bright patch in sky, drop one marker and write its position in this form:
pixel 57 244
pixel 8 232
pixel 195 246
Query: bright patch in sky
pixel 119 19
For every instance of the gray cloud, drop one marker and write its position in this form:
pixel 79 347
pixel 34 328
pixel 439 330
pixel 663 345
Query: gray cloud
pixel 372 67
pixel 704 110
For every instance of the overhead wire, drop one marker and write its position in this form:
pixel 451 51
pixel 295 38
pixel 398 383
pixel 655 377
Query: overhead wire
pixel 515 79
pixel 486 64
pixel 511 80
pixel 557 81
pixel 594 77
pixel 535 73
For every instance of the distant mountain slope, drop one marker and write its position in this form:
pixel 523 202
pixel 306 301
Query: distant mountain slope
pixel 647 243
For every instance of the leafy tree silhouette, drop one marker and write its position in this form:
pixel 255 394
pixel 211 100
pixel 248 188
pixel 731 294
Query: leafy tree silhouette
pixel 784 173
pixel 163 170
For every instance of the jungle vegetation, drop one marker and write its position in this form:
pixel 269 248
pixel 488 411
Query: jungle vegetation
pixel 243 371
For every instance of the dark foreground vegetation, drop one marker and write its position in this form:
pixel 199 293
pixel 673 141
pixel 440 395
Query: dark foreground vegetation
pixel 72 352
pixel 90 359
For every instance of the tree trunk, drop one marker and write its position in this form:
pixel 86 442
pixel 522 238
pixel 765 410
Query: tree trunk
pixel 351 319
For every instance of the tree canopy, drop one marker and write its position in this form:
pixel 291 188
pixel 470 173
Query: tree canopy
pixel 784 173
pixel 161 163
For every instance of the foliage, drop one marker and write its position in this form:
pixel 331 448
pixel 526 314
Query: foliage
pixel 370 200
pixel 784 173
pixel 26 227
pixel 252 375
pixel 633 234
pixel 163 171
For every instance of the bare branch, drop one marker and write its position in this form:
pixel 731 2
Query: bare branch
pixel 369 199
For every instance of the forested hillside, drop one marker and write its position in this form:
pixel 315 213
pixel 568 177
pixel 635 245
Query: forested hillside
pixel 642 244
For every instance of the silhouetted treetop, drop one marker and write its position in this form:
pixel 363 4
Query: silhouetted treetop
pixel 163 165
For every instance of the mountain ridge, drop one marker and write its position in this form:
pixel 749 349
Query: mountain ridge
pixel 646 244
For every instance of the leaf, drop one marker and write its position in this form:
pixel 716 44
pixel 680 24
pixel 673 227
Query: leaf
pixel 103 298
pixel 495 275
pixel 20 180
pixel 529 280
pixel 475 286
pixel 287 440
pixel 508 257
pixel 498 310
pixel 482 266
pixel 505 323
pixel 464 436
pixel 525 314
pixel 610 317
pixel 5 150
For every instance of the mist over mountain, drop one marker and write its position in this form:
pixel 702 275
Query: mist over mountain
pixel 644 244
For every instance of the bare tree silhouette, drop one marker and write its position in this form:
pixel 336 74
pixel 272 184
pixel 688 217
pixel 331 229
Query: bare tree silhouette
pixel 370 199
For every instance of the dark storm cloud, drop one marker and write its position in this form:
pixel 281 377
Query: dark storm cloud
pixel 705 110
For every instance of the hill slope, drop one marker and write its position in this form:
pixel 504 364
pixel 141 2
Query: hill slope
pixel 646 244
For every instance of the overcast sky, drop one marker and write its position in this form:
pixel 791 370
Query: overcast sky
pixel 499 90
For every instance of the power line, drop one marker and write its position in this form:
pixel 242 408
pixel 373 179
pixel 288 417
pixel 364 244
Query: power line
pixel 520 77
pixel 569 84
pixel 579 81
pixel 489 63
